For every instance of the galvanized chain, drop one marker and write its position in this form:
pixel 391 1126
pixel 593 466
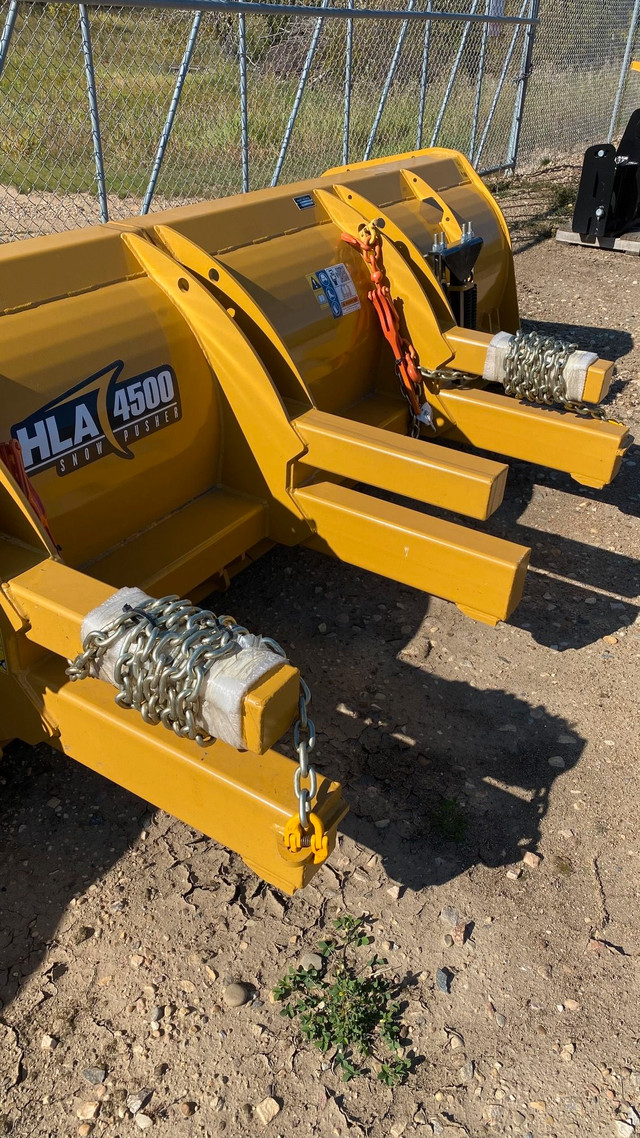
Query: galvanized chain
pixel 168 647
pixel 304 741
pixel 534 368
pixel 536 393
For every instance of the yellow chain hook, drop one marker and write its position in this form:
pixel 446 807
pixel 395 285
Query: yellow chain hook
pixel 298 840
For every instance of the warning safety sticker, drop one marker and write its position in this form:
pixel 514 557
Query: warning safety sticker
pixel 334 289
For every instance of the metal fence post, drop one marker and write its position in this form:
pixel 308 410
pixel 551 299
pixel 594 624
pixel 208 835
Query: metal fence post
pixel 424 78
pixel 7 32
pixel 498 91
pixel 478 98
pixel 244 119
pixel 523 82
pixel 298 99
pixel 633 26
pixel 346 127
pixel 387 86
pixel 92 93
pixel 171 114
pixel 454 71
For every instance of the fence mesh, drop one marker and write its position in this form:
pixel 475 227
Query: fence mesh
pixel 411 82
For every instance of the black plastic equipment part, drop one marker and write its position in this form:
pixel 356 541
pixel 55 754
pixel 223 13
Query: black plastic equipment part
pixel 608 202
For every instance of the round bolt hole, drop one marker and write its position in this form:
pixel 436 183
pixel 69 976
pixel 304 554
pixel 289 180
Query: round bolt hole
pixel 214 275
pixel 183 284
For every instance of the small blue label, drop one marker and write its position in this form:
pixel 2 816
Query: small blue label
pixel 329 292
pixel 304 201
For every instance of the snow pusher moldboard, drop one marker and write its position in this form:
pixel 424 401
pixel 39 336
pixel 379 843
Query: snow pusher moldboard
pixel 184 390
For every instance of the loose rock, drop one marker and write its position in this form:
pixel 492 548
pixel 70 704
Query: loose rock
pixel 623 1129
pixel 187 1109
pixel 443 979
pixel 88 1111
pixel 311 960
pixel 267 1110
pixel 144 1121
pixel 48 1043
pixel 94 1074
pixel 532 859
pixel 137 1101
pixel 235 995
pixel 557 761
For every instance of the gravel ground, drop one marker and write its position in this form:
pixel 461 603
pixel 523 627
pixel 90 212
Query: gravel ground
pixel 461 748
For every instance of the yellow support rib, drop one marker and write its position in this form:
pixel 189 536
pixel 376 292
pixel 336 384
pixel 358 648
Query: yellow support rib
pixel 425 471
pixel 241 799
pixel 482 575
pixel 55 599
pixel 590 450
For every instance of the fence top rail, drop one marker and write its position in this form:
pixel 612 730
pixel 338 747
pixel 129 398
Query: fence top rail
pixel 259 7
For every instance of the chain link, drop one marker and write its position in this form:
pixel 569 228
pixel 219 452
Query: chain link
pixel 534 368
pixel 534 372
pixel 166 648
pixel 304 741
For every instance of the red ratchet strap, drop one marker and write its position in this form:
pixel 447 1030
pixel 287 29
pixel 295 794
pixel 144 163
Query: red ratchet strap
pixel 404 353
pixel 11 456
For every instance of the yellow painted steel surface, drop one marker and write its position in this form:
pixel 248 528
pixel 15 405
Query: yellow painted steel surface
pixel 190 387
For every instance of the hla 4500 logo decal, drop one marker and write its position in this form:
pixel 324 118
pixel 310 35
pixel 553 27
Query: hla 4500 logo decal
pixel 102 415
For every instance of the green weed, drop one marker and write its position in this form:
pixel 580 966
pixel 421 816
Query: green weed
pixel 347 1006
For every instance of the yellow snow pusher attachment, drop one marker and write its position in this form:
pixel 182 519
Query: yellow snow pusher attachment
pixel 181 391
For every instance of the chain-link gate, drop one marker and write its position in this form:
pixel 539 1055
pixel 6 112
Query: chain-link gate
pixel 109 110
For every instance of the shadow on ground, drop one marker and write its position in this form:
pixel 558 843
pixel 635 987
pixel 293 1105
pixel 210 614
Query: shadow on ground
pixel 441 776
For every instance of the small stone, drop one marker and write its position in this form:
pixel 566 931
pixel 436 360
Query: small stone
pixel 514 874
pixel 455 1042
pixel 187 1109
pixel 136 960
pixel 137 1101
pixel 557 761
pixel 48 1043
pixel 624 1129
pixel 397 1129
pixel 94 1074
pixel 467 1072
pixel 88 1111
pixel 84 1129
pixel 144 1121
pixel 568 1052
pixel 538 1104
pixel 394 893
pixel 450 916
pixel 211 972
pixel 235 995
pixel 420 1117
pixel 311 960
pixel 267 1110
pixel 53 803
pixel 443 980
pixel 610 639
pixel 459 933
pixel 85 932
pixel 532 859
pixel 447 940
pixel 500 1019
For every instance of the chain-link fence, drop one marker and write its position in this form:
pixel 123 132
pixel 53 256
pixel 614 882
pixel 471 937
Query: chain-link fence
pixel 107 110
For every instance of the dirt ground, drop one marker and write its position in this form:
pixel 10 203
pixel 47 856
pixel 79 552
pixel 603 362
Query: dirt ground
pixel 121 926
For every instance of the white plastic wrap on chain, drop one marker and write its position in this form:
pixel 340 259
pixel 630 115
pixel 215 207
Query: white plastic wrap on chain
pixel 101 616
pixel 227 682
pixel 494 364
pixel 575 374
